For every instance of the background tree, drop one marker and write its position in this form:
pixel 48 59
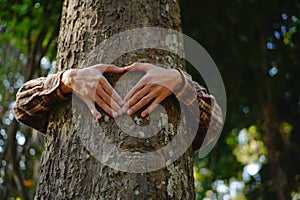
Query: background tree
pixel 255 45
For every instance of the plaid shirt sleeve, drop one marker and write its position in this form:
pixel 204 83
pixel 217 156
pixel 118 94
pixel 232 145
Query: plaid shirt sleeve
pixel 35 99
pixel 210 120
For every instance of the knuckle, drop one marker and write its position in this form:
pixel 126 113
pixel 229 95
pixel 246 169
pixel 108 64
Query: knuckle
pixel 143 101
pixel 148 78
pixel 135 64
pixel 93 86
pixel 100 102
pixel 110 67
pixel 111 103
pixel 152 86
pixel 102 81
pixel 100 78
pixel 138 95
pixel 107 98
pixel 85 92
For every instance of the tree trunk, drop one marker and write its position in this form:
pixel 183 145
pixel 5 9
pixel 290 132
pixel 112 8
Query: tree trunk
pixel 69 168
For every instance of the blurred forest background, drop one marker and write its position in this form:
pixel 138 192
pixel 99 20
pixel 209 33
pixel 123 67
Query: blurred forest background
pixel 255 44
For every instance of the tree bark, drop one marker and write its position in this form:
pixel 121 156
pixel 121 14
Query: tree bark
pixel 68 170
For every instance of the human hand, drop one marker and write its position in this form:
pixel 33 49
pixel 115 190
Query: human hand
pixel 157 84
pixel 92 87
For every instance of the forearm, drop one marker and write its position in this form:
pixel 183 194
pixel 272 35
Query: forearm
pixel 67 80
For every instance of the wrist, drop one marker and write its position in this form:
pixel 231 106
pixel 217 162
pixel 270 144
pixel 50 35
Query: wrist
pixel 179 80
pixel 66 82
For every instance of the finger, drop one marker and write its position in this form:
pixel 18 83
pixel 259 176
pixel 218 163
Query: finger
pixel 91 105
pixel 134 96
pixel 109 90
pixel 152 106
pixel 136 66
pixel 100 102
pixel 142 102
pixel 139 86
pixel 108 99
pixel 113 69
pixel 139 94
pixel 135 100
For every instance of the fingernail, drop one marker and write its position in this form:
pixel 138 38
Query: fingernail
pixel 115 114
pixel 122 103
pixel 129 112
pixel 120 112
pixel 123 110
pixel 98 116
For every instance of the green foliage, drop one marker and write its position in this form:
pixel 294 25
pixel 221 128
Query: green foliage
pixel 28 30
pixel 248 154
pixel 21 22
pixel 250 148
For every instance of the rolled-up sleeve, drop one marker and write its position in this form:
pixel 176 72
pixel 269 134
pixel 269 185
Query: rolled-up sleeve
pixel 210 120
pixel 35 99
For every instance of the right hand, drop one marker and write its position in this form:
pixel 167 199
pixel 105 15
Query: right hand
pixel 92 87
pixel 156 85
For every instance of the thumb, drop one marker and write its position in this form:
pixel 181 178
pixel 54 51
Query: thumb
pixel 113 69
pixel 136 66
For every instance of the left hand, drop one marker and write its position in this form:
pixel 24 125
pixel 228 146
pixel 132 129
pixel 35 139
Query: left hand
pixel 157 84
pixel 92 88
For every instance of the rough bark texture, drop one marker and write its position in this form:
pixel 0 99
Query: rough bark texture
pixel 68 170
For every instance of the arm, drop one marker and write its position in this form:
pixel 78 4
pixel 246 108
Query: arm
pixel 210 120
pixel 37 97
pixel 211 117
pixel 158 83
